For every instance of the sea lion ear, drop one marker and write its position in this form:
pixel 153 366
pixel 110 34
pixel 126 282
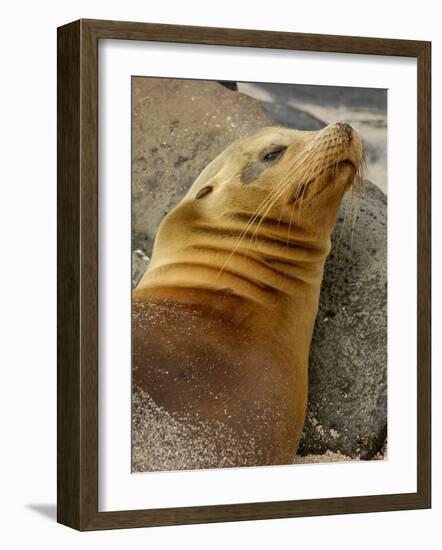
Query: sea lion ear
pixel 204 191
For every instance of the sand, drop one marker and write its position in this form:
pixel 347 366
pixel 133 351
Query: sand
pixel 162 442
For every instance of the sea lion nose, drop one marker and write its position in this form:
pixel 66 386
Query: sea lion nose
pixel 345 128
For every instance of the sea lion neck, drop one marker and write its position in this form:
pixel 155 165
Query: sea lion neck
pixel 271 270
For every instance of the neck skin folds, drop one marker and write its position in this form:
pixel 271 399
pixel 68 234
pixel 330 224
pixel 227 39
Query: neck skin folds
pixel 264 269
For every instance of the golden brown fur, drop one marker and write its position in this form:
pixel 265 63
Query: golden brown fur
pixel 223 316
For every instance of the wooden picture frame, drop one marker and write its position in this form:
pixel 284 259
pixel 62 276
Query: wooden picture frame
pixel 77 461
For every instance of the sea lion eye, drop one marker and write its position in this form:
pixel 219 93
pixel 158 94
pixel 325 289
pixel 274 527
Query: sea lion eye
pixel 275 153
pixel 267 157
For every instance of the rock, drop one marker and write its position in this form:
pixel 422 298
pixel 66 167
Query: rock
pixel 139 265
pixel 292 117
pixel 229 85
pixel 347 407
pixel 367 99
pixel 179 127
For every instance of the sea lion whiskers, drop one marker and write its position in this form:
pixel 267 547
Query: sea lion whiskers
pixel 271 198
pixel 301 197
pixel 289 176
pixel 260 208
pixel 322 166
pixel 312 167
pixel 315 168
pixel 352 204
pixel 283 185
pixel 305 175
pixel 298 202
pixel 326 171
pixel 357 193
pixel 276 197
pixel 301 162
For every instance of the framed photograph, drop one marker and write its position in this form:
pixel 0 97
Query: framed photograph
pixel 243 274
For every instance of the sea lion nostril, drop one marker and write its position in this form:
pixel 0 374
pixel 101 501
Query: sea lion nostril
pixel 346 128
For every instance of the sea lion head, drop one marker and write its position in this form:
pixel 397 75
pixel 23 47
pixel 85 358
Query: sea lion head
pixel 270 197
pixel 297 177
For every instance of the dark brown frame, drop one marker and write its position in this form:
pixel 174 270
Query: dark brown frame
pixel 77 460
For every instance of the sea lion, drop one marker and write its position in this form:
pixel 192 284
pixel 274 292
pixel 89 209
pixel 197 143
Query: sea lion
pixel 224 314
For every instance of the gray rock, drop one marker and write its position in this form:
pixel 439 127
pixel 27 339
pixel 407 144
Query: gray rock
pixel 347 408
pixel 373 99
pixel 291 117
pixel 179 127
pixel 139 264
